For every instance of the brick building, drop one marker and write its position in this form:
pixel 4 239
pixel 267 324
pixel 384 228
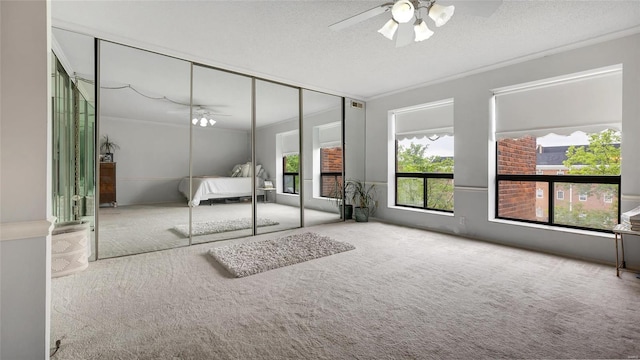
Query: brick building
pixel 517 199
pixel 330 169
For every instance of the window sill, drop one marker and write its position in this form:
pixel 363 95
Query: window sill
pixel 288 194
pixel 554 228
pixel 422 211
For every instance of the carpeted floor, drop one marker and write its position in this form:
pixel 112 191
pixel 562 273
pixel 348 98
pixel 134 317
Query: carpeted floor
pixel 401 294
pixel 127 230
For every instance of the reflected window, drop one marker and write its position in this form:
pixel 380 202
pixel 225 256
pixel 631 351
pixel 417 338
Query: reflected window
pixel 291 174
pixel 330 171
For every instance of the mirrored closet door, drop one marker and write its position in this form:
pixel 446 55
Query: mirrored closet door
pixel 323 160
pixel 221 155
pixel 144 141
pixel 277 156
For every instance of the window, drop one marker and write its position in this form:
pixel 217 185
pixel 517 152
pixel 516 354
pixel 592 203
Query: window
pixel 288 147
pixel 330 171
pixel 539 212
pixel 539 193
pixel 608 198
pixel 327 167
pixel 424 156
pixel 291 174
pixel 563 125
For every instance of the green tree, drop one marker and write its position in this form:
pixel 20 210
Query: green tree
pixel 292 163
pixel 600 157
pixel 413 159
pixel 410 191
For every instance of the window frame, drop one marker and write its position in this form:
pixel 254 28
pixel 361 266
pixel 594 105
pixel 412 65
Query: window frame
pixel 558 195
pixel 425 177
pixel 285 174
pixel 551 180
pixel 337 175
pixel 539 193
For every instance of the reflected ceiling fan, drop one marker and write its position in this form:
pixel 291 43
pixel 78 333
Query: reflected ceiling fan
pixel 407 17
pixel 202 115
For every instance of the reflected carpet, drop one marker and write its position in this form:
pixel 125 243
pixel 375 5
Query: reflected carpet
pixel 214 227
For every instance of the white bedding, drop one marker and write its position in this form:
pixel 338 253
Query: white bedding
pixel 215 187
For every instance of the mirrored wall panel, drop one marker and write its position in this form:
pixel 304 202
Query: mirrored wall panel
pixel 168 153
pixel 323 162
pixel 277 151
pixel 73 155
pixel 221 156
pixel 144 141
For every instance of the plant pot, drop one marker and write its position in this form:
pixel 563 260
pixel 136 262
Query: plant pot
pixel 361 214
pixel 346 212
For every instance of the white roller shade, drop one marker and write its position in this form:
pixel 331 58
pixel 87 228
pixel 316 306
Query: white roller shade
pixel 290 143
pixel 590 104
pixel 427 121
pixel 330 135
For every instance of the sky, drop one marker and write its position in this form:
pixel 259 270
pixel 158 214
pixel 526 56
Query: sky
pixel 443 146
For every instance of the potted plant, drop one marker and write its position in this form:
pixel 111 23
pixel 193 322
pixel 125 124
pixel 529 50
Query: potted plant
pixel 337 197
pixel 363 198
pixel 108 146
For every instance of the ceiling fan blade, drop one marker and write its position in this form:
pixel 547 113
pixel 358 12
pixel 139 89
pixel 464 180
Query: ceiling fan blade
pixel 361 17
pixel 484 8
pixel 405 35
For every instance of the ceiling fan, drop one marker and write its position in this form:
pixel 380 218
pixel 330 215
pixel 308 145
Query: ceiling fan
pixel 202 115
pixel 405 13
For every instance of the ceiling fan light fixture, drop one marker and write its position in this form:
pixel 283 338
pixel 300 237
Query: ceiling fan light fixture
pixel 389 29
pixel 441 14
pixel 402 11
pixel 421 30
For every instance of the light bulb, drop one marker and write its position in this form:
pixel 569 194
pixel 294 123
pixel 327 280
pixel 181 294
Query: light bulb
pixel 402 11
pixel 194 121
pixel 389 29
pixel 421 30
pixel 212 122
pixel 441 14
pixel 203 122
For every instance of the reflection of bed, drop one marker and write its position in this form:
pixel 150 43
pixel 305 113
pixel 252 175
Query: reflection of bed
pixel 216 187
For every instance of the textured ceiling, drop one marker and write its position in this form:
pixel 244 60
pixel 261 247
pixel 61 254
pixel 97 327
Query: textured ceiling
pixel 290 41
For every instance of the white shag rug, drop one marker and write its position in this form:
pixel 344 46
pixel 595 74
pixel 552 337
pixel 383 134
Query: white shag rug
pixel 214 227
pixel 255 257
